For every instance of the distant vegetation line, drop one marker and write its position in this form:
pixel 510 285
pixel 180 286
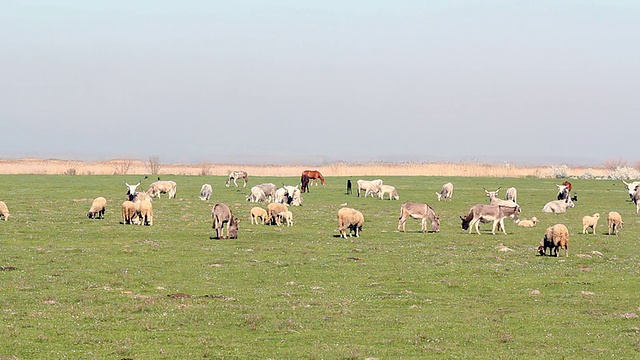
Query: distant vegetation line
pixel 154 166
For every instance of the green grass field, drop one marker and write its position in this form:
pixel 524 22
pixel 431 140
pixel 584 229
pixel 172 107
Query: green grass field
pixel 77 288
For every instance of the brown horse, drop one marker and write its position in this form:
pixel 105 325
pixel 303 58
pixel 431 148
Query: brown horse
pixel 314 175
pixel 304 180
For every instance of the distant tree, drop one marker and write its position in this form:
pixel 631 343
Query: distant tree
pixel 154 165
pixel 121 166
pixel 611 165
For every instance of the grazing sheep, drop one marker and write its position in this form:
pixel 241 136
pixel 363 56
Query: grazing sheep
pixel 163 187
pixel 257 195
pixel 144 210
pixel 590 222
pixel 528 223
pixel 287 217
pixel 446 193
pixel 97 208
pixel 4 211
pixel 351 219
pixel 615 222
pixel 258 213
pixel 128 212
pixel 511 194
pixel 388 189
pixel 273 210
pixel 558 206
pixel 205 192
pixel 556 237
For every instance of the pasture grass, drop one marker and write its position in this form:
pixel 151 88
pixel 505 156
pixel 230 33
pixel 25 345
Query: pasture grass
pixel 74 287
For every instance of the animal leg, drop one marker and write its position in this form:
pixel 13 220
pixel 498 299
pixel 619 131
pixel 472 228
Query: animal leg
pixel 423 223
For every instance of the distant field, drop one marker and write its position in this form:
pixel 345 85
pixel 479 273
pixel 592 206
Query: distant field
pixel 138 167
pixel 77 288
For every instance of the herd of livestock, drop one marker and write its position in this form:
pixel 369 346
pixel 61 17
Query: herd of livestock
pixel 138 208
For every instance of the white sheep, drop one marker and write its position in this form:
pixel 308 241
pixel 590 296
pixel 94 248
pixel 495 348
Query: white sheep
pixel 4 211
pixel 258 213
pixel 556 237
pixel 615 222
pixel 590 222
pixel 528 223
pixel 205 192
pixel 98 207
pixel 287 217
pixel 351 219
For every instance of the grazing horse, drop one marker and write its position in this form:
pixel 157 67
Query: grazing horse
pixel 304 180
pixel 238 174
pixel 314 175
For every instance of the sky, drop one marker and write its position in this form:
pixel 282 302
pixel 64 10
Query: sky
pixel 314 82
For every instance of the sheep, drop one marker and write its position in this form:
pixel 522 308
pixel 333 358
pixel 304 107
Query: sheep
pixel 128 212
pixel 257 195
pixel 446 193
pixel 528 223
pixel 590 222
pixel 615 222
pixel 558 206
pixel 556 237
pixel 258 213
pixel 163 187
pixel 205 192
pixel 97 209
pixel 144 210
pixel 388 189
pixel 287 217
pixel 512 194
pixel 4 211
pixel 273 210
pixel 351 219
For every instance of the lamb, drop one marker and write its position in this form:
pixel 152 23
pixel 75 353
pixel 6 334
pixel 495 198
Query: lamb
pixel 528 223
pixel 558 206
pixel 205 192
pixel 144 210
pixel 287 217
pixel 512 194
pixel 351 219
pixel 273 210
pixel 97 208
pixel 163 187
pixel 258 213
pixel 4 211
pixel 615 222
pixel 556 236
pixel 257 195
pixel 446 193
pixel 128 212
pixel 388 189
pixel 590 222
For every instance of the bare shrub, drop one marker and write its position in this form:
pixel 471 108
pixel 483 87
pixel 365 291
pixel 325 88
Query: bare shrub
pixel 588 175
pixel 560 171
pixel 153 164
pixel 121 166
pixel 205 170
pixel 70 171
pixel 623 173
pixel 612 165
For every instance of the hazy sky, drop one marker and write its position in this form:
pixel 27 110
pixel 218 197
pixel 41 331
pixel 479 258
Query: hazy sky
pixel 320 81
